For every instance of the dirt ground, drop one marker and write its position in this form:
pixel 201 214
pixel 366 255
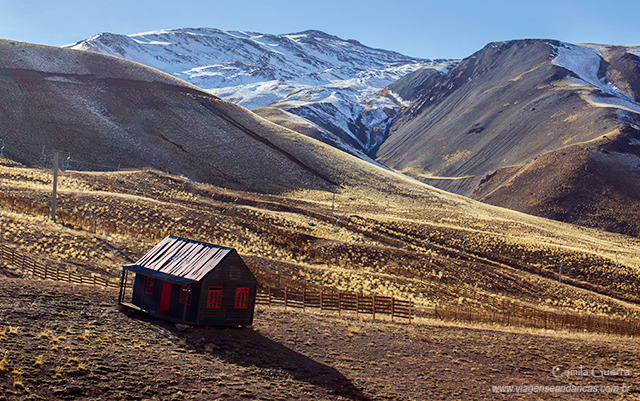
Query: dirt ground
pixel 60 341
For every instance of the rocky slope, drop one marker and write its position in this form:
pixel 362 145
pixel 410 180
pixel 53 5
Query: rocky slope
pixel 334 83
pixel 484 128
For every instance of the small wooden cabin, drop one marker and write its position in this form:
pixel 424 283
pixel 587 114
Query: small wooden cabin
pixel 191 282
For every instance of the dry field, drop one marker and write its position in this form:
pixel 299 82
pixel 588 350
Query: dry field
pixel 430 247
pixel 85 348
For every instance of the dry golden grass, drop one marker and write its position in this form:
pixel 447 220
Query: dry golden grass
pixel 394 237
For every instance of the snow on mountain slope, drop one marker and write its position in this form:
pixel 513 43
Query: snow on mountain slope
pixel 311 73
pixel 585 61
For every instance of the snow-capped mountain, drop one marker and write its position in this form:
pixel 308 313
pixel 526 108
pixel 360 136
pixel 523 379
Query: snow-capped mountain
pixel 332 82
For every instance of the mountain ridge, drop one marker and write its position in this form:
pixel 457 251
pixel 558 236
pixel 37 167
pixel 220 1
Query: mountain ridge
pixel 508 105
pixel 333 83
pixel 109 112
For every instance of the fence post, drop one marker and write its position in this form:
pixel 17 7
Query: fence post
pixel 393 307
pixel 374 306
pixel 410 311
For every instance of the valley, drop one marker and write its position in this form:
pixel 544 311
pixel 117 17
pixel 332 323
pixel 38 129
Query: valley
pixel 145 155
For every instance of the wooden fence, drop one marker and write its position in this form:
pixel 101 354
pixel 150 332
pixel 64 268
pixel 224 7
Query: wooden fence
pixel 335 301
pixel 296 294
pixel 524 316
pixel 40 269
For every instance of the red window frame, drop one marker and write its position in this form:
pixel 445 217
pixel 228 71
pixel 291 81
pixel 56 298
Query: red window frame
pixel 185 289
pixel 148 285
pixel 214 298
pixel 242 298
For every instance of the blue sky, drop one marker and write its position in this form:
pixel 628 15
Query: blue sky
pixel 419 28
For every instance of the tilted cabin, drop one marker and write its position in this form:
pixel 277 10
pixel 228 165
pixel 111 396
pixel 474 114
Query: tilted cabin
pixel 191 282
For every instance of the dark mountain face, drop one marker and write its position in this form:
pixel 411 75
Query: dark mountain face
pixel 624 71
pixel 412 86
pixel 508 105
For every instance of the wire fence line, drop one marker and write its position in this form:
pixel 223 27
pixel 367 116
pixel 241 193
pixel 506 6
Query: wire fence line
pixel 529 317
pixel 288 292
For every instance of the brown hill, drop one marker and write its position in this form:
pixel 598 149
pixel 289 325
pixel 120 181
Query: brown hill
pixel 107 113
pixel 596 186
pixel 510 104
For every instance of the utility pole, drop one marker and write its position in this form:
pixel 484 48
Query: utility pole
pixel 560 266
pixel 333 203
pixel 55 185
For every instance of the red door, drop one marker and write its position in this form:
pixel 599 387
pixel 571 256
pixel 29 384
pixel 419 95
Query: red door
pixel 165 298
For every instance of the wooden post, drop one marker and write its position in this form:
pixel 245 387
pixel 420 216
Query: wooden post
pixel 393 307
pixel 410 311
pixel 374 306
pixel 123 282
pixel 285 297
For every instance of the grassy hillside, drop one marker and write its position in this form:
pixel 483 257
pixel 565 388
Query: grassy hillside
pixel 371 241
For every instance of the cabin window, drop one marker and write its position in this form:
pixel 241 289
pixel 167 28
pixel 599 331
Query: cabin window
pixel 185 292
pixel 242 298
pixel 148 285
pixel 214 298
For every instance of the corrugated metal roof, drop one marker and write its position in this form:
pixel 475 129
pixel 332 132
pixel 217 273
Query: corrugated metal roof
pixel 184 258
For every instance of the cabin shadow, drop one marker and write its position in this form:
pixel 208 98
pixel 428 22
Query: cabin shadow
pixel 247 347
